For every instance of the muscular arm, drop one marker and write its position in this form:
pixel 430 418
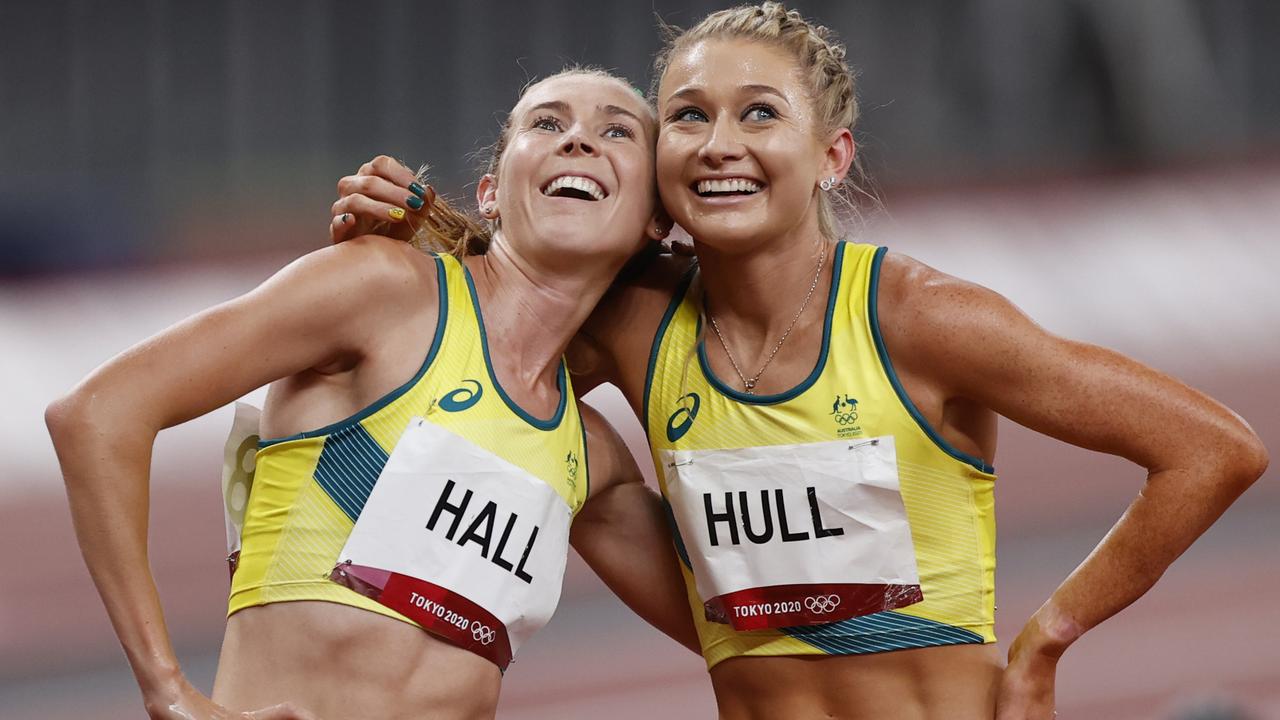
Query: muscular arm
pixel 1199 455
pixel 311 314
pixel 622 533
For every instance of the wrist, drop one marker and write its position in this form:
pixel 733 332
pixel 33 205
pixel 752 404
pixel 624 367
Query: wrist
pixel 160 678
pixel 1047 635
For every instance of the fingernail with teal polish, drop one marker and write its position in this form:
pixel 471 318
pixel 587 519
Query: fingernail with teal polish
pixel 417 189
pixel 414 203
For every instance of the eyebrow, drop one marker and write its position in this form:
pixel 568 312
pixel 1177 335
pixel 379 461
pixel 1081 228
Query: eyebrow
pixel 615 110
pixel 555 105
pixel 751 89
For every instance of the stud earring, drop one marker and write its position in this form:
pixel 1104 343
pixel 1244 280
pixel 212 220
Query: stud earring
pixel 828 183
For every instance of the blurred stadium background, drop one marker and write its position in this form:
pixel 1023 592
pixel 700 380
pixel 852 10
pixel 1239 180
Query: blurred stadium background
pixel 1113 166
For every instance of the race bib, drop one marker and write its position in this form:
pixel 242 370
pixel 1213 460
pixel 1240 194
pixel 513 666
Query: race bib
pixel 462 542
pixel 790 535
pixel 239 457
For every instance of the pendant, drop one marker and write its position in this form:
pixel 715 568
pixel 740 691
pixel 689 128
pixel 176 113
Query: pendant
pixel 749 384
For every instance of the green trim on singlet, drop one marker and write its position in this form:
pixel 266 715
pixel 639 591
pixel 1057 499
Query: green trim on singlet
pixel 805 384
pixel 586 460
pixel 390 397
pixel 873 318
pixel 881 632
pixel 677 297
pixel 550 423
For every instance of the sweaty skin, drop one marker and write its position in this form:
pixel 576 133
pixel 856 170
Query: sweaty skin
pixel 734 108
pixel 943 683
pixel 339 329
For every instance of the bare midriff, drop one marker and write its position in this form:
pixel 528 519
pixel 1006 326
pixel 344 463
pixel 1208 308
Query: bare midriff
pixel 942 683
pixel 343 662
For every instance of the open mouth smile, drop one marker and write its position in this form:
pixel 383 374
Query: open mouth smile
pixel 577 187
pixel 726 187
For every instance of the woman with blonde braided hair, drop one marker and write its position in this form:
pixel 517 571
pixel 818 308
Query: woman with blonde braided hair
pixel 822 414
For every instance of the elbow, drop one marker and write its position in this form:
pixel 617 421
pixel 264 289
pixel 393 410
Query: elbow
pixel 1255 459
pixel 73 424
pixel 1246 460
pixel 61 416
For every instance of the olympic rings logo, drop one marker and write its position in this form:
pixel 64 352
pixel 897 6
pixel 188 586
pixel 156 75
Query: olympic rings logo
pixel 846 418
pixel 483 633
pixel 822 604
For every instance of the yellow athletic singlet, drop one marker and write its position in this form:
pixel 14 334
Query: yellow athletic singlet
pixel 308 489
pixel 852 393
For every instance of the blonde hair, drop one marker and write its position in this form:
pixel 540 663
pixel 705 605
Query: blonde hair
pixel 446 229
pixel 826 74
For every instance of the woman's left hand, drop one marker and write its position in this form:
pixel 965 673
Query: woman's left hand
pixel 1027 686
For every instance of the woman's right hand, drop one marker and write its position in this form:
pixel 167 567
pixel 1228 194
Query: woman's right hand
pixel 188 703
pixel 383 196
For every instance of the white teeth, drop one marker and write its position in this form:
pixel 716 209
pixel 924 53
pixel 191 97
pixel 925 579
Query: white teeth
pixel 576 182
pixel 729 185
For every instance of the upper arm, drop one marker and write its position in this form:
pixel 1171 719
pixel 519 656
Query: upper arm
pixel 977 346
pixel 623 534
pixel 613 345
pixel 323 308
pixel 609 460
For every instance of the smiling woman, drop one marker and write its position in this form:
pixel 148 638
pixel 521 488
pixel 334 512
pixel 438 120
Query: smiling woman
pixel 828 458
pixel 864 426
pixel 424 453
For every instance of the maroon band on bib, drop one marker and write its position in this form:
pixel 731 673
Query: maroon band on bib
pixel 806 604
pixel 439 611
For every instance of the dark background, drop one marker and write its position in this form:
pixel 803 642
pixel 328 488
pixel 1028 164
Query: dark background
pixel 126 122
pixel 1112 166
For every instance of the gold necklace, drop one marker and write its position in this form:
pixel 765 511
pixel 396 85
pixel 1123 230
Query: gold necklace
pixel 750 382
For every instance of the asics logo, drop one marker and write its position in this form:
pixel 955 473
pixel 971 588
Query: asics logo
pixel 463 397
pixel 682 419
pixel 822 604
pixel 483 634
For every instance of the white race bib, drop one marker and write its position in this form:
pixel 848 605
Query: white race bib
pixel 789 535
pixel 239 458
pixel 466 544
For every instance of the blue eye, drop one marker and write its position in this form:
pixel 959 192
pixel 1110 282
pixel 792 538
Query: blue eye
pixel 619 131
pixel 760 113
pixel 689 114
pixel 546 122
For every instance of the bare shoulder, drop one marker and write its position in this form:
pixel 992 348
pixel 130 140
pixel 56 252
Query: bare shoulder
pixel 378 265
pixel 927 315
pixel 369 277
pixel 961 340
pixel 614 343
pixel 914 292
pixel 643 290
